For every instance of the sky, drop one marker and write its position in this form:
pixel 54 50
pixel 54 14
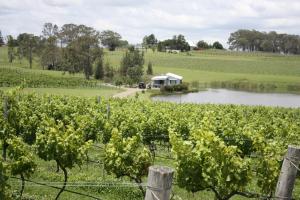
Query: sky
pixel 209 20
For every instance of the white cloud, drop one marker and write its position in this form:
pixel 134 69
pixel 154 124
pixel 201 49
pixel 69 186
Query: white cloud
pixel 196 19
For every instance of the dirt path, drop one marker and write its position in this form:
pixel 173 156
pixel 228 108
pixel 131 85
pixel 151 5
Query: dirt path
pixel 128 92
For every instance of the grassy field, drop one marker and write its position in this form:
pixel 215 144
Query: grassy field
pixel 210 66
pixel 50 82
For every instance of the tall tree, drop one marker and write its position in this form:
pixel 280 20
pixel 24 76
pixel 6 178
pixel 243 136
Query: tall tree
pixel 51 56
pixel 99 72
pixel 50 30
pixel 149 69
pixel 217 45
pixel 1 40
pixel 202 44
pixel 176 43
pixel 132 64
pixel 150 41
pixel 81 53
pixel 28 44
pixel 110 39
pixel 11 44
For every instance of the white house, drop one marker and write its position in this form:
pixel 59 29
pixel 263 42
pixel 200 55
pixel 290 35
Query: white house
pixel 167 79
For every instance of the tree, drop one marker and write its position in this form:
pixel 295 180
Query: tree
pixel 1 40
pixel 99 72
pixel 127 157
pixel 149 69
pixel 28 44
pixel 50 30
pixel 176 43
pixel 202 44
pixel 132 64
pixel 63 144
pixel 150 41
pixel 81 53
pixel 21 160
pixel 51 56
pixel 108 71
pixel 110 39
pixel 11 44
pixel 217 45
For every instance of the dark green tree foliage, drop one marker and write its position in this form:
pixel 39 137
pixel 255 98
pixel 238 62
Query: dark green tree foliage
pixel 99 72
pixel 110 39
pixel 150 41
pixel 108 71
pixel 217 45
pixel 50 55
pixel 176 43
pixel 149 69
pixel 1 40
pixel 11 44
pixel 28 45
pixel 202 44
pixel 252 40
pixel 82 51
pixel 132 64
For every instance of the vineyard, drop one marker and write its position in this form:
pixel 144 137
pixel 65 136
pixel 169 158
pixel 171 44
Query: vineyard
pixel 60 147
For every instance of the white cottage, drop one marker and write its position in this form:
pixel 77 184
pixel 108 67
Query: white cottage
pixel 167 79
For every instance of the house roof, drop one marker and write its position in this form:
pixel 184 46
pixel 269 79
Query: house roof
pixel 174 76
pixel 169 76
pixel 162 77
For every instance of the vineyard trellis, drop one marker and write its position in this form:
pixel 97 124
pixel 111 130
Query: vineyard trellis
pixel 221 148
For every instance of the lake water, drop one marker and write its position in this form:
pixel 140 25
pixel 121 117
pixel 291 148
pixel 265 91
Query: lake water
pixel 223 96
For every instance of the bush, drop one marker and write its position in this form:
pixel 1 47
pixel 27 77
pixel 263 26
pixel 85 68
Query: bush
pixel 175 88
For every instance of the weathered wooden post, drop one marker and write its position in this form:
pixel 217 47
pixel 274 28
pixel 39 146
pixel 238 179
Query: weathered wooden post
pixel 108 110
pixel 288 174
pixel 159 183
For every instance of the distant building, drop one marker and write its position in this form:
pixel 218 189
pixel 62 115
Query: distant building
pixel 167 79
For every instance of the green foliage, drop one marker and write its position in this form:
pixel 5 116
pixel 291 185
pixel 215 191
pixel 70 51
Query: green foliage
pixel 4 186
pixel 205 162
pixel 127 157
pixel 183 87
pixel 149 69
pixel 202 44
pixel 110 39
pixel 21 158
pixel 132 64
pixel 176 43
pixel 61 143
pixel 99 72
pixel 217 45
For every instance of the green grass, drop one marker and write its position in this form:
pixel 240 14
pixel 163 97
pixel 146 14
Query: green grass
pixel 211 66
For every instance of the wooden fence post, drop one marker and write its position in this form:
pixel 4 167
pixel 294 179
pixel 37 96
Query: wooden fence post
pixel 288 174
pixel 159 183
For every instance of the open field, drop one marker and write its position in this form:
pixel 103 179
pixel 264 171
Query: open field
pixel 210 66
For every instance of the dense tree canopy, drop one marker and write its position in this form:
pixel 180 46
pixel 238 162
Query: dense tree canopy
pixel 252 40
pixel 176 43
pixel 110 39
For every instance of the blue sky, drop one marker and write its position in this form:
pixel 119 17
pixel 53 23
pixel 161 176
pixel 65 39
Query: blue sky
pixel 208 20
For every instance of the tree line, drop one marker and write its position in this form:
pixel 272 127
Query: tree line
pixel 76 48
pixel 253 40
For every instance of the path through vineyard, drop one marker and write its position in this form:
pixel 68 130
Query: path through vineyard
pixel 128 92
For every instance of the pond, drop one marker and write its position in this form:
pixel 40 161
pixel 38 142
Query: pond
pixel 224 96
